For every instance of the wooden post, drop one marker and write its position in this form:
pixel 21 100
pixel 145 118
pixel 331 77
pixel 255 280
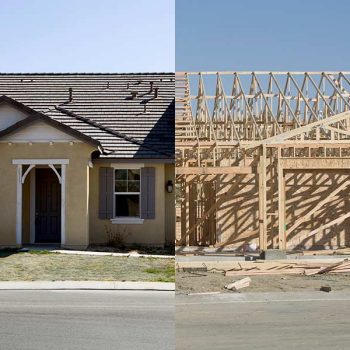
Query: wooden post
pixel 262 200
pixel 281 205
pixel 184 210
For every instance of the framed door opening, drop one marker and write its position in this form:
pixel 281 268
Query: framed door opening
pixel 47 211
pixel 47 201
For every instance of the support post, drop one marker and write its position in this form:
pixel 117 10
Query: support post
pixel 63 204
pixel 262 200
pixel 19 206
pixel 32 205
pixel 281 205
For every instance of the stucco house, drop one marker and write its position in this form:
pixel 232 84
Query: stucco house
pixel 84 154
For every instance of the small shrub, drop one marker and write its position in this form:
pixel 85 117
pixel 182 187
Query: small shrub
pixel 116 237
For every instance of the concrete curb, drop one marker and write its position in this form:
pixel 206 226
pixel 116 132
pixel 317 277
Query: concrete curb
pixel 86 285
pixel 127 255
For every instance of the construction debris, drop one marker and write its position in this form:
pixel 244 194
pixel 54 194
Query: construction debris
pixel 282 268
pixel 243 283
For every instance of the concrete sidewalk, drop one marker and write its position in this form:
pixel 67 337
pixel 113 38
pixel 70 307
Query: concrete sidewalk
pixel 86 285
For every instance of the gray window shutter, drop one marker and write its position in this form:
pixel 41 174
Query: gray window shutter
pixel 148 193
pixel 106 194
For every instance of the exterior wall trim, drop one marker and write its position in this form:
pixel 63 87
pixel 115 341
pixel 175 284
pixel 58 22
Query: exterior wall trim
pixel 40 161
pixel 127 220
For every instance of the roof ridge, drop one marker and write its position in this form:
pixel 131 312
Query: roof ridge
pixel 113 132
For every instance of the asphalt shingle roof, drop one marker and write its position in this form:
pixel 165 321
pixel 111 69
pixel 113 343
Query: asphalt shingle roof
pixel 102 109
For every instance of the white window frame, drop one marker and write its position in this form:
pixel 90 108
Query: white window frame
pixel 127 219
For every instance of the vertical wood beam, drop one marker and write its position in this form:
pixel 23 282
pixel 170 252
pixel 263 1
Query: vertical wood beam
pixel 262 200
pixel 192 207
pixel 185 210
pixel 281 205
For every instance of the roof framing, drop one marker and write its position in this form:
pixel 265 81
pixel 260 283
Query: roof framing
pixel 260 105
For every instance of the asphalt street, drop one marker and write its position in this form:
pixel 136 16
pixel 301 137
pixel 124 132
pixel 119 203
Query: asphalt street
pixel 86 320
pixel 313 320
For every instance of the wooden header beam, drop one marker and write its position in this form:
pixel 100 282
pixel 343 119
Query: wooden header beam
pixel 213 170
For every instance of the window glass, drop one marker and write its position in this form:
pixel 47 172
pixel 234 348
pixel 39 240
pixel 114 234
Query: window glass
pixel 121 174
pixel 127 192
pixel 134 174
pixel 121 186
pixel 127 205
pixel 133 186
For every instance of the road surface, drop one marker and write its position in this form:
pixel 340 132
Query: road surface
pixel 86 320
pixel 265 321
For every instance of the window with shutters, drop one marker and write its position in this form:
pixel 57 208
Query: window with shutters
pixel 127 189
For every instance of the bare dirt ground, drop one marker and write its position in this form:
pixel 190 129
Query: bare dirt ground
pixel 202 282
pixel 167 250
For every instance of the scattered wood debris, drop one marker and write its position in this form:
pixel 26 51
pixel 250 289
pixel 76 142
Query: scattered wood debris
pixel 243 283
pixel 281 268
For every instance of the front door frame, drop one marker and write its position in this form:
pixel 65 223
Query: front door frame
pixel 20 181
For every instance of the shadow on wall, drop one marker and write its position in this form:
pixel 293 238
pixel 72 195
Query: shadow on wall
pixel 236 221
pixel 303 192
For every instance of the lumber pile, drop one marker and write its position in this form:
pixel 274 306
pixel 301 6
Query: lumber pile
pixel 283 268
pixel 324 252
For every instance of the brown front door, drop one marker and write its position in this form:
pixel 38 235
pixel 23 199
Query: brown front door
pixel 47 207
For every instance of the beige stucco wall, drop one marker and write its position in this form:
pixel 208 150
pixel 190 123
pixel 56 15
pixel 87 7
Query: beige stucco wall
pixel 83 225
pixel 170 206
pixel 77 188
pixel 151 232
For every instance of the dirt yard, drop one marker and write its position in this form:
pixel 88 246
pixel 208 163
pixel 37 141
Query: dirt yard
pixel 201 282
pixel 45 266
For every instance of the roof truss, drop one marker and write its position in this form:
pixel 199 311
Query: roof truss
pixel 261 105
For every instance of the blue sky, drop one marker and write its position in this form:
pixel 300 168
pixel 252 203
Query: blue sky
pixel 87 36
pixel 214 35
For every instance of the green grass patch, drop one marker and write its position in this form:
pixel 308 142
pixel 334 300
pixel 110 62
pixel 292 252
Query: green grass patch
pixel 165 274
pixel 44 265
